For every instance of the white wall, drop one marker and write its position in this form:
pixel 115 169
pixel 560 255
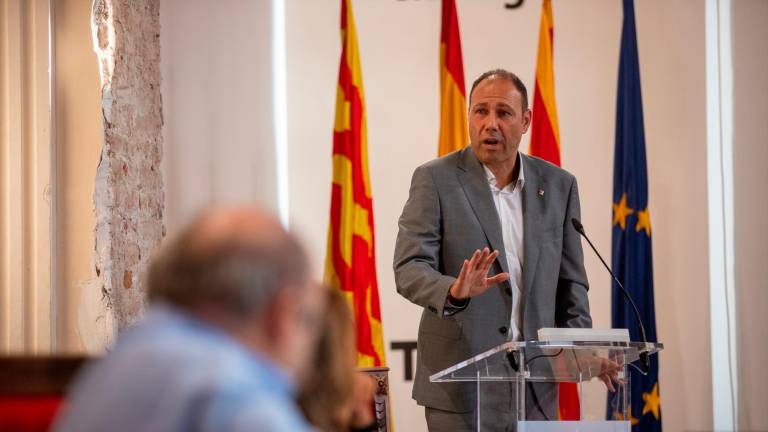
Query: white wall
pixel 672 59
pixel 217 105
pixel 750 156
pixel 219 142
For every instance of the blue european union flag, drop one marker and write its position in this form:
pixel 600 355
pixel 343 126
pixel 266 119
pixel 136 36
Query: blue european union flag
pixel 632 255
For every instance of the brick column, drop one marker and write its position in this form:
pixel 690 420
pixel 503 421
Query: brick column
pixel 128 197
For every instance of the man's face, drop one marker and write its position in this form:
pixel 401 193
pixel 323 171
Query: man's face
pixel 497 121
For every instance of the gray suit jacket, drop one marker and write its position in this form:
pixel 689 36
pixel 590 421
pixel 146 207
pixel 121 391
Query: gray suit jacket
pixel 449 214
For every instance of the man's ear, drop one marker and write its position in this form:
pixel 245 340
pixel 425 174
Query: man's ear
pixel 527 117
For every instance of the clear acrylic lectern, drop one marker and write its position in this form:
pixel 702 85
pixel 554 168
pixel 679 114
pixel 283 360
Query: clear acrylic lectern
pixel 521 363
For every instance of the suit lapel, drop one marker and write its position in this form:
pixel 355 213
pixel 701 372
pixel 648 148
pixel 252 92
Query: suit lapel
pixel 533 211
pixel 475 184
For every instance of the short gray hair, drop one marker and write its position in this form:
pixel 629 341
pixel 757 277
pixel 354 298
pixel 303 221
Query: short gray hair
pixel 241 273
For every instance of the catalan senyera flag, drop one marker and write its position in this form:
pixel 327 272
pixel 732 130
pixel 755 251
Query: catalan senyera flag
pixel 453 99
pixel 545 133
pixel 545 143
pixel 350 263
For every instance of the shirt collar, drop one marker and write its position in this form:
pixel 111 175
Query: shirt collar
pixel 519 183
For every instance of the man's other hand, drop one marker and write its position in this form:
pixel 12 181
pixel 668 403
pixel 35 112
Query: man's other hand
pixel 473 279
pixel 608 372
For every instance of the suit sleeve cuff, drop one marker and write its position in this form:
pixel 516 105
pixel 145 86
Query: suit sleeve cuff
pixel 453 305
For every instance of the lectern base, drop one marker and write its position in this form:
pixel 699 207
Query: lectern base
pixel 574 426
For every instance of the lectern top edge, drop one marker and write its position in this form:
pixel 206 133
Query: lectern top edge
pixel 511 346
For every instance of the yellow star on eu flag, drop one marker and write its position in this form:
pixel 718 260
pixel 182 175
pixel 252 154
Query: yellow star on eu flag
pixel 621 212
pixel 619 416
pixel 644 221
pixel 652 401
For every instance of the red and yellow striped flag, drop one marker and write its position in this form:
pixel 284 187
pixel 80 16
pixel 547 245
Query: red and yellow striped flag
pixel 545 143
pixel 453 99
pixel 350 263
pixel 545 134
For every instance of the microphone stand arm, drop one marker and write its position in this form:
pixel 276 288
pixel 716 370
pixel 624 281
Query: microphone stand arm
pixel 644 360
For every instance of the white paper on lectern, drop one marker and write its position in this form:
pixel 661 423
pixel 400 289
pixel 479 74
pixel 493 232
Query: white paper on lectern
pixel 549 334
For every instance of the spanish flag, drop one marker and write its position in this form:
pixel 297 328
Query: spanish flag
pixel 350 263
pixel 453 99
pixel 545 143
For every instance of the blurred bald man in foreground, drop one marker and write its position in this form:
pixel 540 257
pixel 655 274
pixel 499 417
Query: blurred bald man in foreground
pixel 231 325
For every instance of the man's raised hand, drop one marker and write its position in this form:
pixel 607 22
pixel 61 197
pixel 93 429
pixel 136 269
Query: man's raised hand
pixel 473 279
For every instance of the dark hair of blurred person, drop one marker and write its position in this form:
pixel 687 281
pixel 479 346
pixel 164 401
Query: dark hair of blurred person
pixel 335 397
pixel 231 326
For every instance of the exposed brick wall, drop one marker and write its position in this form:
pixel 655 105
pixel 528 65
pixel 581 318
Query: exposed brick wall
pixel 128 198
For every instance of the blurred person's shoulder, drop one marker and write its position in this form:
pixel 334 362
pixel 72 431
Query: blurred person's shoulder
pixel 169 370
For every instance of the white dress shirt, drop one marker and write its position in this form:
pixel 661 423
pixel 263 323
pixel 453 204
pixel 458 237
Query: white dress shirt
pixel 509 206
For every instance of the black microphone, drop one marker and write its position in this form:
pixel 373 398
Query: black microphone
pixel 644 361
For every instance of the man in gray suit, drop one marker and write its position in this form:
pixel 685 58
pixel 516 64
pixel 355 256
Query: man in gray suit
pixel 488 208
